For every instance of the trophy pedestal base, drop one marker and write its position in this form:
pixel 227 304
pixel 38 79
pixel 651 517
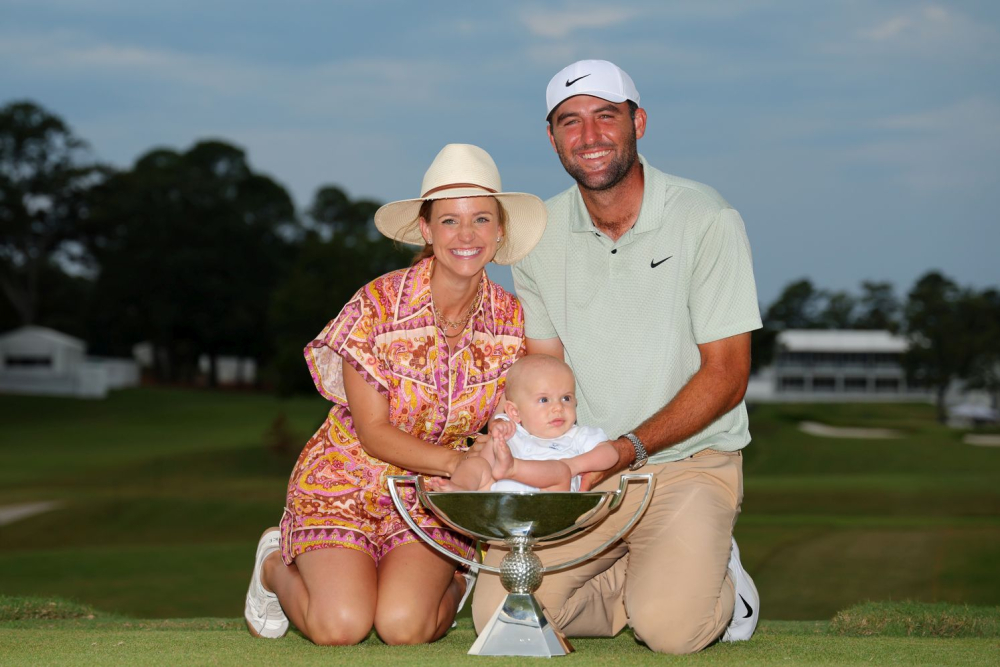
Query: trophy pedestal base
pixel 521 627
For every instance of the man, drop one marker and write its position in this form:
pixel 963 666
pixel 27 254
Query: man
pixel 643 282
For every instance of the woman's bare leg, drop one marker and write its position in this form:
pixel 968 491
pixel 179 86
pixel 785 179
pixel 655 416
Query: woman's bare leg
pixel 328 594
pixel 418 595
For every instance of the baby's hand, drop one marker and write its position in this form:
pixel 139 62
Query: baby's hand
pixel 501 430
pixel 503 464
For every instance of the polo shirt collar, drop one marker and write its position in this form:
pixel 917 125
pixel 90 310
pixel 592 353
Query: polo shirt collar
pixel 653 201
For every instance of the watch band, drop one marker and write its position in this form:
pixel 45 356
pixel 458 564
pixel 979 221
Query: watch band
pixel 641 456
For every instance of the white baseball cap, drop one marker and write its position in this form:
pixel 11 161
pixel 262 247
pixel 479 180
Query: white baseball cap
pixel 599 78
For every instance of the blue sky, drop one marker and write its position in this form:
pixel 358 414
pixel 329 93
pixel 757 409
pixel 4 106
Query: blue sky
pixel 860 139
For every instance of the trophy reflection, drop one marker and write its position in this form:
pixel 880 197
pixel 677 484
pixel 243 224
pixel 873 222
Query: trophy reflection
pixel 520 626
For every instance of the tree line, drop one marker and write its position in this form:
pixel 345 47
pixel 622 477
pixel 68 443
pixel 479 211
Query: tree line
pixel 953 331
pixel 197 253
pixel 194 251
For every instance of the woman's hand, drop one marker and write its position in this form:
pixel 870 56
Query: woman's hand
pixel 382 440
pixel 481 444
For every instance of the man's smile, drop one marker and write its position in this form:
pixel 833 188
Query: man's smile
pixel 595 155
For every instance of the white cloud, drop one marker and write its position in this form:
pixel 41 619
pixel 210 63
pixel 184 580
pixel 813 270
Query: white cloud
pixel 317 88
pixel 927 26
pixel 954 146
pixel 561 23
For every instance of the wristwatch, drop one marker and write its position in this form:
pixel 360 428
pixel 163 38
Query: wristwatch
pixel 640 451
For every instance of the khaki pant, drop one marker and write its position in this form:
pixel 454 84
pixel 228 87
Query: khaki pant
pixel 668 578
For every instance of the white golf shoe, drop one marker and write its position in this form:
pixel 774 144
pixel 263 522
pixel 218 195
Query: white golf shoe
pixel 262 611
pixel 747 608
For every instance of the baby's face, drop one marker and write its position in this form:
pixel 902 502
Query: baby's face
pixel 545 403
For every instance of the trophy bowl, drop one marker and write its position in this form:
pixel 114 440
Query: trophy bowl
pixel 520 626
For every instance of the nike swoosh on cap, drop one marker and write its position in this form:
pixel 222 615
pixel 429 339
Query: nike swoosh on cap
pixel 570 83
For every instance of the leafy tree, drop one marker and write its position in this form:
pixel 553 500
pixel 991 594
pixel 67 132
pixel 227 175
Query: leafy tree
pixel 879 307
pixel 838 311
pixel 191 246
pixel 797 307
pixel 45 174
pixel 340 252
pixel 982 319
pixel 942 346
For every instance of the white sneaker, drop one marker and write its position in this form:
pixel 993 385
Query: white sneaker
pixel 262 611
pixel 746 611
pixel 470 581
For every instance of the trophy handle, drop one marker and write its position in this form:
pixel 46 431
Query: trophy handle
pixel 398 500
pixel 615 502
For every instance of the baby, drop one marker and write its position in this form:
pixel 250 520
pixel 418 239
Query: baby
pixel 537 444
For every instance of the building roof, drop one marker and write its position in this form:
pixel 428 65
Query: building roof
pixel 51 336
pixel 840 340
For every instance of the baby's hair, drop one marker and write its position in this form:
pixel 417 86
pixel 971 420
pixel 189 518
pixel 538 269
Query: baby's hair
pixel 528 363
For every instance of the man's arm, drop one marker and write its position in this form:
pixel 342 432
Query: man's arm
pixel 717 388
pixel 550 346
pixel 598 459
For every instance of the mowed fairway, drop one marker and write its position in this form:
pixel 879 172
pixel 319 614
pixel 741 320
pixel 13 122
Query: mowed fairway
pixel 163 494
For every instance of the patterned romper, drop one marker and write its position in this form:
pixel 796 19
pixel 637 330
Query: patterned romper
pixel 338 495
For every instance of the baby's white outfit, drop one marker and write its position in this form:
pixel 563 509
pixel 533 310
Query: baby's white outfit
pixel 578 440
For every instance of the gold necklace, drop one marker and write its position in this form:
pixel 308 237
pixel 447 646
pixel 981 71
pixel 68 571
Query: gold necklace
pixel 459 324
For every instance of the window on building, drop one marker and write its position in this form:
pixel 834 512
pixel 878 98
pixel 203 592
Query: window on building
pixel 824 384
pixel 887 385
pixel 856 384
pixel 27 361
pixel 793 383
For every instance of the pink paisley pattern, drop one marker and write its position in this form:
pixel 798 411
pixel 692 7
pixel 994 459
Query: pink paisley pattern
pixel 338 495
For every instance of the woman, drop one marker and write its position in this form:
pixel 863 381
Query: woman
pixel 414 365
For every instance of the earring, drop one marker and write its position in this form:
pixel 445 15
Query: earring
pixel 498 239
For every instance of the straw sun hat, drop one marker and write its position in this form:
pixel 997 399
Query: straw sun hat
pixel 462 170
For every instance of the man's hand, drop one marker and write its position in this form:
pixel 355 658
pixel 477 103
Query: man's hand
pixel 626 455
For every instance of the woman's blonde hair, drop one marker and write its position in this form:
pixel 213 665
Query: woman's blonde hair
pixel 425 213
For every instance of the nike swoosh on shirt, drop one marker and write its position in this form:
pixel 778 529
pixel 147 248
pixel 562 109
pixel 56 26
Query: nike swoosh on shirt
pixel 653 264
pixel 570 83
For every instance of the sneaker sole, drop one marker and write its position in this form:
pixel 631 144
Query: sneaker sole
pixel 246 621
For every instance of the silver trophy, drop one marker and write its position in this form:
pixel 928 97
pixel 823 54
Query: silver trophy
pixel 520 626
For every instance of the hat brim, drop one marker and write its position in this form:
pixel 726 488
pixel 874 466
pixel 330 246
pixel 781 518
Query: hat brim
pixel 615 98
pixel 526 218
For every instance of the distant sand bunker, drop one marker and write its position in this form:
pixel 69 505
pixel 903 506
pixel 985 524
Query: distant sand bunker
pixel 982 439
pixel 824 431
pixel 12 513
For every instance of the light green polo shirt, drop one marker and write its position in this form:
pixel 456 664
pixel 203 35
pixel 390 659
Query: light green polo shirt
pixel 631 313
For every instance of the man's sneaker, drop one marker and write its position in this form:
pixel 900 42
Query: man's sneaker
pixel 747 608
pixel 262 611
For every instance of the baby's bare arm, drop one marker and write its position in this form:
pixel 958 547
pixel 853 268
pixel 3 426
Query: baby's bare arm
pixel 547 475
pixel 601 457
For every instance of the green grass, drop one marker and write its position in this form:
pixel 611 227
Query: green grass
pixel 164 493
pixel 910 634
pixel 910 619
